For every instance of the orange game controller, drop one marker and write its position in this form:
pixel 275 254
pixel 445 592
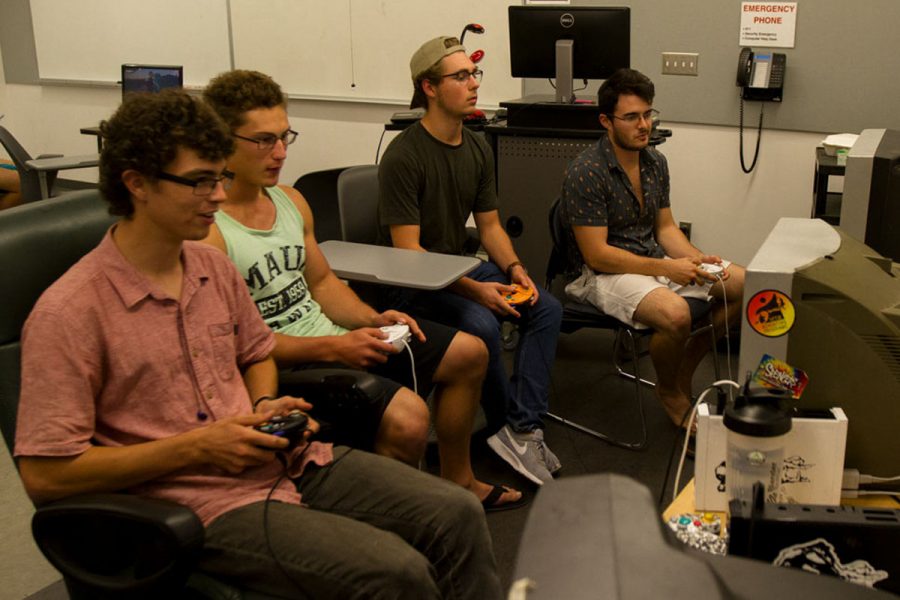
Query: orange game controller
pixel 519 295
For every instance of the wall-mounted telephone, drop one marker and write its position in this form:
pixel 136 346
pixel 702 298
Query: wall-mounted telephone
pixel 760 75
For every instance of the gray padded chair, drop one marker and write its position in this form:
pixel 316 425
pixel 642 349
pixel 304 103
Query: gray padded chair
pixel 357 194
pixel 105 545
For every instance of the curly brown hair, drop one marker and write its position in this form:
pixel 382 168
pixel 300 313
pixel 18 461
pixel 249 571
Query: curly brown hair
pixel 233 93
pixel 145 133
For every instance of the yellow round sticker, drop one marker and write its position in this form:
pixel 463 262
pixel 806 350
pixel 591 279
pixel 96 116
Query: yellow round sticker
pixel 770 313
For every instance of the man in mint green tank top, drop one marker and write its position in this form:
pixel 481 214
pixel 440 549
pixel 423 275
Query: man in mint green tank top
pixel 267 230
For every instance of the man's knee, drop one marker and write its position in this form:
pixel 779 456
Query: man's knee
pixel 466 359
pixel 408 576
pixel 666 312
pixel 404 428
pixel 481 322
pixel 550 309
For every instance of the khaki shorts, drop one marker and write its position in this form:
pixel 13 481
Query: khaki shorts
pixel 618 295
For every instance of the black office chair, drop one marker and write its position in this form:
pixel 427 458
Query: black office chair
pixel 105 545
pixel 320 190
pixel 579 315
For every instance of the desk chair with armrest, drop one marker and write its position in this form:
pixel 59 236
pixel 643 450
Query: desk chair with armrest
pixel 105 545
pixel 578 315
pixel 38 176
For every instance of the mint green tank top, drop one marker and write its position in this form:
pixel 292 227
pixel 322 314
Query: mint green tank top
pixel 272 263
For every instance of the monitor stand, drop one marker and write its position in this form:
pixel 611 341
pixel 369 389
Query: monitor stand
pixel 564 69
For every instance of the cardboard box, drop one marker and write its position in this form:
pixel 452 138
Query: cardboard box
pixel 813 460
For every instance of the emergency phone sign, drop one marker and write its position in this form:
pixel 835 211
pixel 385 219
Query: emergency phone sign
pixel 769 24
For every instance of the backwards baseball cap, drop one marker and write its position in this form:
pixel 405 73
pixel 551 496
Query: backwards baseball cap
pixel 429 54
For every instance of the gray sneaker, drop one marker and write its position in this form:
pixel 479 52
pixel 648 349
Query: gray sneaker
pixel 523 451
pixel 550 459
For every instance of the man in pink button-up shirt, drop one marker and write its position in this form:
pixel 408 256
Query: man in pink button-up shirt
pixel 146 366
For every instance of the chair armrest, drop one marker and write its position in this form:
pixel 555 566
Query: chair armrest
pixel 321 384
pixel 60 163
pixel 112 545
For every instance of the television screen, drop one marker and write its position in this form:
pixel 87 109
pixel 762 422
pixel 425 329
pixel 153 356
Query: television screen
pixel 150 78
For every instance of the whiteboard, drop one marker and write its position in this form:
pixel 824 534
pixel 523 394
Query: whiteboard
pixel 88 40
pixel 360 49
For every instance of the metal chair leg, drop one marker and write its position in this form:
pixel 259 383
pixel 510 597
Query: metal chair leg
pixel 642 442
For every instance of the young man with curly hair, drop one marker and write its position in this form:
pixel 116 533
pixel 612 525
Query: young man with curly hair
pixel 146 367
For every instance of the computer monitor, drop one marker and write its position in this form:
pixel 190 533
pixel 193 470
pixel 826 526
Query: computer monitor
pixel 826 303
pixel 870 204
pixel 566 42
pixel 150 78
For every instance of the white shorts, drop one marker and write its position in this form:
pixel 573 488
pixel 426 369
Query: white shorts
pixel 618 294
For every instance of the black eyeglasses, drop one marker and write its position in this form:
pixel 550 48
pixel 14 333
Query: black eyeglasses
pixel 463 75
pixel 267 142
pixel 202 187
pixel 651 116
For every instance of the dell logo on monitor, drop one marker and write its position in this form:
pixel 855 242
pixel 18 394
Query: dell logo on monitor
pixel 566 20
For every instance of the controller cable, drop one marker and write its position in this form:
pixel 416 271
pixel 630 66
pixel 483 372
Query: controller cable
pixel 286 466
pixel 690 422
pixel 412 362
pixel 719 406
pixel 284 473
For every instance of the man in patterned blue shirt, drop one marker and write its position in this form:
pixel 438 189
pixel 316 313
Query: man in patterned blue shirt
pixel 635 262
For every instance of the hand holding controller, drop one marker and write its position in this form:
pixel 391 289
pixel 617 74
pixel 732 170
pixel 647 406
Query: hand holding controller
pixel 713 269
pixel 290 426
pixel 519 295
pixel 397 335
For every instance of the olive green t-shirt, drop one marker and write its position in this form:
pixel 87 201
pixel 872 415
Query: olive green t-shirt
pixel 425 182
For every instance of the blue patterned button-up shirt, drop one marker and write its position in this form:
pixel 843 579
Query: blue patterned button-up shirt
pixel 597 192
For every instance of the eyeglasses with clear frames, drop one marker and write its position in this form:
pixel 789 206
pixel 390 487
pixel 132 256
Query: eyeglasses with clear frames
pixel 267 142
pixel 651 116
pixel 463 76
pixel 203 186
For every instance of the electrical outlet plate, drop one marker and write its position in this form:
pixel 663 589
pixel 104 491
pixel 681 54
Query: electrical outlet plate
pixel 680 63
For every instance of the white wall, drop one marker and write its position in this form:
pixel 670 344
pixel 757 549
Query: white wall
pixel 731 212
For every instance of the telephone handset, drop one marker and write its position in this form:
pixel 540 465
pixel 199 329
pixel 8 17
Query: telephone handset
pixel 760 75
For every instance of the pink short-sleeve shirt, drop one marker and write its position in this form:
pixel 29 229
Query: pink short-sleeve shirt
pixel 109 359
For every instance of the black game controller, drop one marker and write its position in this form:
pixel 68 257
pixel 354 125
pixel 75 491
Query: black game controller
pixel 290 426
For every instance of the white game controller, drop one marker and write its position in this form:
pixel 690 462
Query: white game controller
pixel 397 335
pixel 712 269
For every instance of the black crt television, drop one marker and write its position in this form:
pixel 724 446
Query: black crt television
pixel 566 42
pixel 150 78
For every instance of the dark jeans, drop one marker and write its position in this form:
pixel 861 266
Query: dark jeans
pixel 372 527
pixel 520 400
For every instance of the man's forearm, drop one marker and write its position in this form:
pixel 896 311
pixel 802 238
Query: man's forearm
pixel 341 304
pixel 675 243
pixel 105 469
pixel 261 379
pixel 499 248
pixel 616 260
